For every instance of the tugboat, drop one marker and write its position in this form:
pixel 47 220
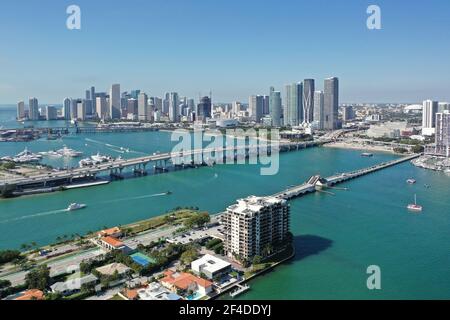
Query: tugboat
pixel 415 207
pixel 76 206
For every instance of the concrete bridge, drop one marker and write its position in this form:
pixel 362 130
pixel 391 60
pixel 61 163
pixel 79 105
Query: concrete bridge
pixel 317 182
pixel 160 163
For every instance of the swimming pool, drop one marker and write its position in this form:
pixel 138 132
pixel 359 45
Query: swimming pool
pixel 142 259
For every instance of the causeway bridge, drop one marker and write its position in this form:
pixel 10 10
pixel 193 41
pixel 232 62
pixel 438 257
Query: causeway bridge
pixel 160 161
pixel 317 182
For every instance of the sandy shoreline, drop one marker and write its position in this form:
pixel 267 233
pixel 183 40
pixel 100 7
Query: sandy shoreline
pixel 343 145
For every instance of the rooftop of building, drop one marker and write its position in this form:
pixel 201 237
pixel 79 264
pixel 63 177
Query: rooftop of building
pixel 113 242
pixel 210 263
pixel 183 280
pixel 254 204
pixel 110 269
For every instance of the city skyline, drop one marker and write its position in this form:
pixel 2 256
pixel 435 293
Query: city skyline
pixel 377 65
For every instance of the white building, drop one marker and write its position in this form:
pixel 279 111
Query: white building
pixel 210 266
pixel 387 130
pixel 20 110
pixel 253 225
pixel 430 108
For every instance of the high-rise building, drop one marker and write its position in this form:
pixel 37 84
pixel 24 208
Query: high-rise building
pixel 66 109
pixel 20 110
pixel 443 106
pixel 51 113
pixel 430 108
pixel 94 102
pixel 81 110
pixel 293 105
pixel 74 109
pixel 174 104
pixel 114 102
pixel 253 225
pixel 132 106
pixel 34 109
pixel 275 107
pixel 204 109
pixel 143 107
pixel 166 103
pixel 331 103
pixel 347 113
pixel 236 108
pixel 308 100
pixel 256 107
pixel 319 110
pixel 443 134
pixel 266 108
pixel 102 108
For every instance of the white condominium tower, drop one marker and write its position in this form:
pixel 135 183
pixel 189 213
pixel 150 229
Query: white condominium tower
pixel 319 110
pixel 443 134
pixel 143 107
pixel 34 109
pixel 430 108
pixel 114 102
pixel 308 100
pixel 20 110
pixel 254 225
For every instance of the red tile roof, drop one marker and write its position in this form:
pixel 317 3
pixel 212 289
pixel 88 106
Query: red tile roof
pixel 33 294
pixel 113 242
pixel 184 280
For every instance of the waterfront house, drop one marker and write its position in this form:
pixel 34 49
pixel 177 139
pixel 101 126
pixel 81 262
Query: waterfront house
pixel 186 283
pixel 211 267
pixel 156 291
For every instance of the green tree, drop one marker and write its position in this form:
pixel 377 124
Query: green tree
pixel 38 278
pixel 188 256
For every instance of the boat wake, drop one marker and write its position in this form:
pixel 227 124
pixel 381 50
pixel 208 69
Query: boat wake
pixel 137 198
pixel 115 148
pixel 36 215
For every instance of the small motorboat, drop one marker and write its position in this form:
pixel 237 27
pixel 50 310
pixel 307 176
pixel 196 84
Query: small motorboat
pixel 76 206
pixel 415 207
pixel 411 181
pixel 367 155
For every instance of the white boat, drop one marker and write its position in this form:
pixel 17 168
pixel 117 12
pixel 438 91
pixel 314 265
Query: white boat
pixel 415 207
pixel 66 152
pixel 411 181
pixel 76 206
pixel 98 158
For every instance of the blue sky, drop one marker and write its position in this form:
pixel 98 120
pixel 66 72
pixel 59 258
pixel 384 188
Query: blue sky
pixel 234 47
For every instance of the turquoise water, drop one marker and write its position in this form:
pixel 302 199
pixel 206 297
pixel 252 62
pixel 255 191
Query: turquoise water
pixel 337 237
